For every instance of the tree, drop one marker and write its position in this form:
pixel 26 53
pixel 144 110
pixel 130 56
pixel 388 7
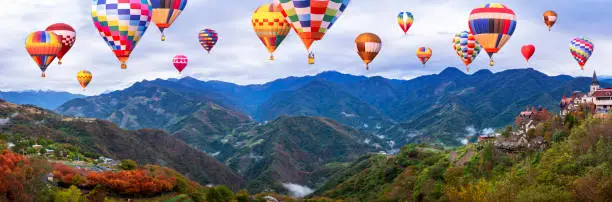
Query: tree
pixel 73 194
pixel 128 164
pixel 242 196
pixel 226 193
pixel 213 196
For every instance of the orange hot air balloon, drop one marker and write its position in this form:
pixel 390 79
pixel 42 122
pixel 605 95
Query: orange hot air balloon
pixel 270 26
pixel 368 46
pixel 43 46
pixel 550 18
pixel 84 77
pixel 424 53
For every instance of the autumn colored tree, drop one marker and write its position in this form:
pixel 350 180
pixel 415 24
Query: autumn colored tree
pixel 128 164
pixel 20 177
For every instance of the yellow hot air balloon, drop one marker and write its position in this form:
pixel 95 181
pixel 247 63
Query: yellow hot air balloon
pixel 84 77
pixel 368 46
pixel 270 26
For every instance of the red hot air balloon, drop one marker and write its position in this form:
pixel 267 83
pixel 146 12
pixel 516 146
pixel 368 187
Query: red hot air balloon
pixel 67 36
pixel 180 62
pixel 528 51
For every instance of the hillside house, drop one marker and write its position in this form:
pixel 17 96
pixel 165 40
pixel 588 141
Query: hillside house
pixel 598 100
pixel 529 119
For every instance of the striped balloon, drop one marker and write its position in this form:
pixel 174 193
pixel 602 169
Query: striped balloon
pixel 165 13
pixel 270 26
pixel 180 62
pixel 208 38
pixel 67 36
pixel 581 50
pixel 121 23
pixel 84 77
pixel 43 46
pixel 467 47
pixel 492 24
pixel 423 53
pixel 405 20
pixel 368 46
pixel 310 19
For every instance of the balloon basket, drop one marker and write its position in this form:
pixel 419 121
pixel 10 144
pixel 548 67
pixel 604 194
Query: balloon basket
pixel 59 62
pixel 163 38
pixel 123 66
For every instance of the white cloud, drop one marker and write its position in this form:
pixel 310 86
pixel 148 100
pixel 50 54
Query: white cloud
pixel 297 190
pixel 240 57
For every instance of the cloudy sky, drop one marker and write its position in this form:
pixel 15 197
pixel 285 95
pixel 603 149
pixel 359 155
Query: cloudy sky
pixel 240 57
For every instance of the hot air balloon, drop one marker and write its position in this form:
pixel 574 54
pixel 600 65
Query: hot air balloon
pixel 165 13
pixel 43 46
pixel 84 77
pixel 405 20
pixel 368 46
pixel 208 38
pixel 121 24
pixel 550 18
pixel 67 36
pixel 270 26
pixel 467 47
pixel 492 24
pixel 528 51
pixel 180 62
pixel 423 53
pixel 310 19
pixel 581 49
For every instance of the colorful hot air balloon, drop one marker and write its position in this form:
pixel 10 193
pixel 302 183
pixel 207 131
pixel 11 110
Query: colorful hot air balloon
pixel 84 77
pixel 405 20
pixel 528 51
pixel 581 49
pixel 67 36
pixel 368 46
pixel 180 62
pixel 165 13
pixel 43 47
pixel 310 19
pixel 492 25
pixel 121 24
pixel 270 26
pixel 550 18
pixel 208 38
pixel 467 47
pixel 423 53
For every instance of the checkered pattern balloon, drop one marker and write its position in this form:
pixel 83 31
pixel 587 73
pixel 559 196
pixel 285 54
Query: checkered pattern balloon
pixel 310 19
pixel 466 46
pixel 121 24
pixel 581 49
pixel 67 36
pixel 208 38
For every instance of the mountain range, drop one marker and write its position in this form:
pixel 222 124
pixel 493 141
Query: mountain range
pixel 432 108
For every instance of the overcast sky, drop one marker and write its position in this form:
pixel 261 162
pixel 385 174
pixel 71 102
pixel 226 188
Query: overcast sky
pixel 239 56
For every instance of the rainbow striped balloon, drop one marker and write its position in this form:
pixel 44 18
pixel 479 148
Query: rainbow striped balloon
pixel 492 24
pixel 405 20
pixel 581 49
pixel 43 46
pixel 467 47
pixel 208 38
pixel 424 53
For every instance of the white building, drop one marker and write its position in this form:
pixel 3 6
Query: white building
pixel 600 98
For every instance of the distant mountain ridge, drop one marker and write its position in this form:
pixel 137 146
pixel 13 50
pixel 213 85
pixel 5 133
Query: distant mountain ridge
pixel 436 107
pixel 45 99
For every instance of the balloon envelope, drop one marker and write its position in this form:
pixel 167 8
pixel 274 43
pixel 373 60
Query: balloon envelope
pixel 405 20
pixel 208 38
pixel 67 36
pixel 423 53
pixel 368 46
pixel 84 77
pixel 492 24
pixel 270 26
pixel 466 46
pixel 165 13
pixel 121 23
pixel 180 62
pixel 550 18
pixel 528 51
pixel 581 49
pixel 43 47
